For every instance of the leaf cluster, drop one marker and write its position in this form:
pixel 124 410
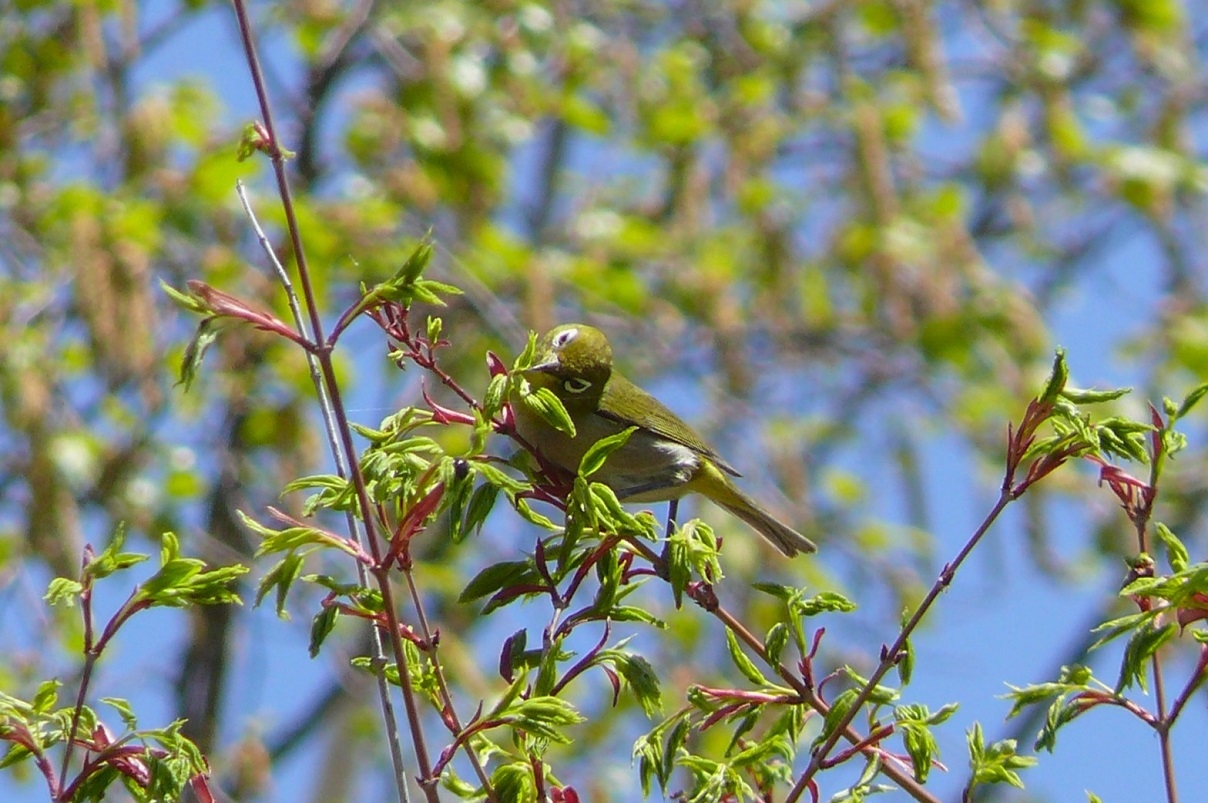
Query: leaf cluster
pixel 152 764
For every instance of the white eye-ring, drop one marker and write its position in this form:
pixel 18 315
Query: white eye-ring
pixel 564 337
pixel 576 384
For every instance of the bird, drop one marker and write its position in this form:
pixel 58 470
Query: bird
pixel 664 458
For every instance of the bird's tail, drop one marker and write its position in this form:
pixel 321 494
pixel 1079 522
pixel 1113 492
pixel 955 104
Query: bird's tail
pixel 723 492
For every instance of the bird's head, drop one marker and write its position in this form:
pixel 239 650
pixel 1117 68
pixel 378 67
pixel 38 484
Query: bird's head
pixel 573 360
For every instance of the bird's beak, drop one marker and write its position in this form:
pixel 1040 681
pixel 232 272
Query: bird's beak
pixel 546 367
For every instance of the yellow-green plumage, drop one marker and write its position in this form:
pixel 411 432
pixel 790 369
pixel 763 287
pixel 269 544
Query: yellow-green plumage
pixel 662 460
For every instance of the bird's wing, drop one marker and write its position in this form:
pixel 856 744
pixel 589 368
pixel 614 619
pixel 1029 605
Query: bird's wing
pixel 651 414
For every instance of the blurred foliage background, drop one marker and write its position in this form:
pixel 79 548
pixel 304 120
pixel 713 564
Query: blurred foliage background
pixel 837 236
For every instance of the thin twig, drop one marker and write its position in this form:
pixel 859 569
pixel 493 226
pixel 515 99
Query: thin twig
pixel 442 684
pixel 346 446
pixel 892 653
pixel 90 658
pixel 331 427
pixel 1141 515
pixel 1159 688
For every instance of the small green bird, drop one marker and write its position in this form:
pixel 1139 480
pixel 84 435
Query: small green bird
pixel 662 460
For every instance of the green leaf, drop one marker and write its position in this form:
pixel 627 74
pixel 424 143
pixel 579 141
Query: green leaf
pixel 435 289
pixel 281 577
pixel 203 337
pixel 1115 628
pixel 524 360
pixel 459 485
pixel 825 602
pixel 498 576
pixel 943 715
pixel 775 641
pixel 921 747
pixel 863 788
pixel 169 549
pixel 1141 647
pixel 975 740
pixel 549 407
pixel 1176 554
pixel 172 578
pixel 677 737
pixel 679 569
pixel 416 261
pixel 639 675
pixel 413 445
pixel 547 667
pixel 186 301
pixel 764 752
pixel 1073 678
pixel 715 780
pixel 593 459
pixel 879 695
pixel 744 664
pixel 632 613
pixel 112 559
pixel 62 591
pixel 838 711
pixel 195 351
pixel 1120 437
pixel 1058 377
pixel 14 756
pixel 514 781
pixel 1079 396
pixel 527 513
pixel 292 538
pixel 996 763
pixel 700 551
pixel 608 573
pixel 607 507
pixel 495 395
pixel 46 696
pixel 406 285
pixel 905 663
pixel 1060 713
pixel 500 478
pixel 367 600
pixel 581 515
pixel 781 592
pixel 648 752
pixel 915 722
pixel 124 710
pixel 329 482
pixel 544 717
pixel 435 324
pixel 181 582
pixel 482 501
pixel 1189 401
pixel 321 626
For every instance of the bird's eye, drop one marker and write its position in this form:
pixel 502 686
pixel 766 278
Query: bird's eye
pixel 576 384
pixel 564 337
